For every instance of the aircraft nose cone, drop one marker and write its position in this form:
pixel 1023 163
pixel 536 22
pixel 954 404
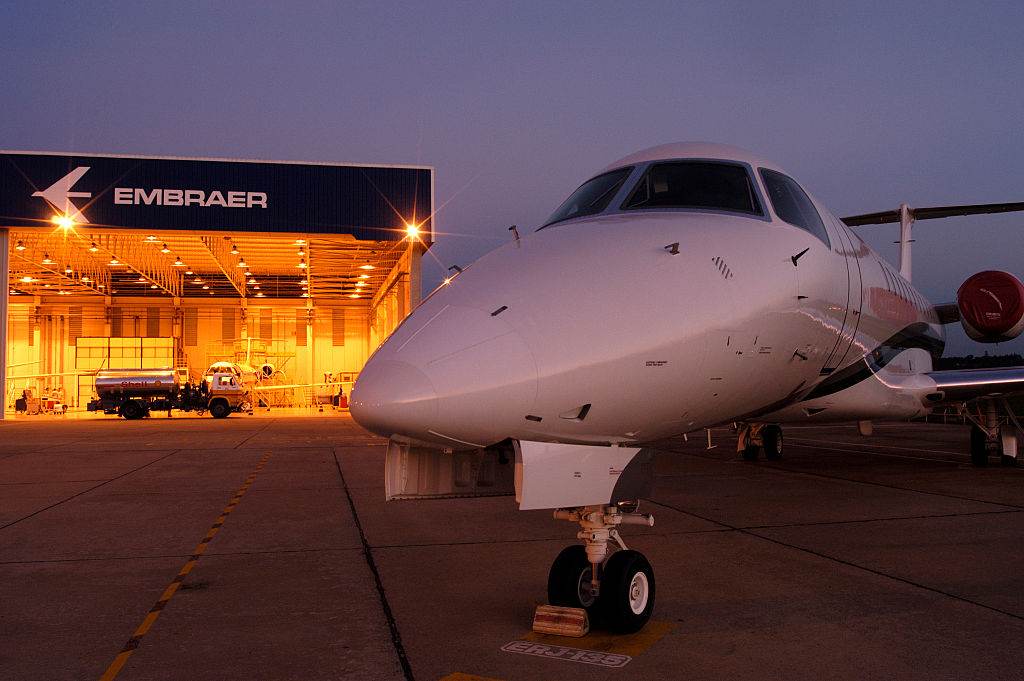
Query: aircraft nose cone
pixel 393 397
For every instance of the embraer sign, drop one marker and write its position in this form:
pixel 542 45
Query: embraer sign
pixel 188 197
pixel 145 193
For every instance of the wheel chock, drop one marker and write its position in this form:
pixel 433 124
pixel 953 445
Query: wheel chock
pixel 559 621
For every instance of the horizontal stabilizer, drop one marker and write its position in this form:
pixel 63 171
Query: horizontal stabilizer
pixel 931 213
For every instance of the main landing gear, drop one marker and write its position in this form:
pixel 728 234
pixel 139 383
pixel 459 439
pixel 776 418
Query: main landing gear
pixel 992 436
pixel 616 590
pixel 757 437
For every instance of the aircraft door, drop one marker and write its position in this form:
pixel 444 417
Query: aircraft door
pixel 848 318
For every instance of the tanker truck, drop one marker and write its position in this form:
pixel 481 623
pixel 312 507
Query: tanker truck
pixel 134 393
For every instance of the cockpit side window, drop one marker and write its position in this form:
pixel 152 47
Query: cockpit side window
pixel 593 196
pixel 792 204
pixel 695 184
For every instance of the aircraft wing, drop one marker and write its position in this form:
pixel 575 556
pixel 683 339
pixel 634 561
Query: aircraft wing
pixel 962 385
pixel 932 212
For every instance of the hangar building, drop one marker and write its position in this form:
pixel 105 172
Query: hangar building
pixel 145 262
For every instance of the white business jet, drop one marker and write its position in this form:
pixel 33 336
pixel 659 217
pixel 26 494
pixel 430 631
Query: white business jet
pixel 683 287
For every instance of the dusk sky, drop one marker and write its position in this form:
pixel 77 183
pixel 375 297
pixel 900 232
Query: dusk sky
pixel 867 104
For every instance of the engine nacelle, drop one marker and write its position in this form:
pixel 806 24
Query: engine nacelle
pixel 991 306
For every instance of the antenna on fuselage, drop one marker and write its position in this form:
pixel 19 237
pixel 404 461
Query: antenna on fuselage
pixel 515 232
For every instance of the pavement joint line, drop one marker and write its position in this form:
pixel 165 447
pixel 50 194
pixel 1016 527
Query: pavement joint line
pixel 396 637
pixel 857 566
pixel 86 491
pixel 879 446
pixel 258 432
pixel 209 554
pixel 817 523
pixel 136 638
pixel 780 469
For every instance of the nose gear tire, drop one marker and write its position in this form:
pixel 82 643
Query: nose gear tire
pixel 627 592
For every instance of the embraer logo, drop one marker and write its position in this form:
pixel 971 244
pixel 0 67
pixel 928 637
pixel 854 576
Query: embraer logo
pixel 136 196
pixel 59 194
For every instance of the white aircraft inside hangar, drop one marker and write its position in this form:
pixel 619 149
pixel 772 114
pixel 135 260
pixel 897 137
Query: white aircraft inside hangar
pixel 536 371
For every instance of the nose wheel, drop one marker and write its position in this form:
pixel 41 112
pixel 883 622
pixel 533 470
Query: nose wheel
pixel 616 590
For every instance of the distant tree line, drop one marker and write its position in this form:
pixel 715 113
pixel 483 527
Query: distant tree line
pixel 985 361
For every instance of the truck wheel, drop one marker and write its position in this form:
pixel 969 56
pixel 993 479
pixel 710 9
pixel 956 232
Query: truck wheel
pixel 132 410
pixel 219 409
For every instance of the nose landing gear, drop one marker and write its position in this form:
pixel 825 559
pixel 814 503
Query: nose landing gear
pixel 617 590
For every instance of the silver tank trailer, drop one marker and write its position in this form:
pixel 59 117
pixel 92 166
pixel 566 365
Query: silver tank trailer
pixel 136 382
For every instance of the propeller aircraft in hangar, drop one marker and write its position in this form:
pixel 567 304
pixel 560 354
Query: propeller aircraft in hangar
pixel 539 370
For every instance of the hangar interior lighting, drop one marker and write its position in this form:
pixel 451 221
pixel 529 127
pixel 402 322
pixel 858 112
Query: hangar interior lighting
pixel 302 252
pixel 150 238
pixel 360 283
pixel 152 285
pixel 241 263
pixel 364 276
pixel 46 259
pixel 86 279
pixel 300 242
pixel 252 280
pixel 164 249
pixel 114 261
pixel 178 262
pixel 93 248
pixel 353 295
pixel 67 269
pixel 20 246
pixel 234 249
pixel 302 264
pixel 27 279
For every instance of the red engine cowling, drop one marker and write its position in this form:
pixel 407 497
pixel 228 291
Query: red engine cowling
pixel 991 306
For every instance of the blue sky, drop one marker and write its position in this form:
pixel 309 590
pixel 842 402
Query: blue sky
pixel 867 104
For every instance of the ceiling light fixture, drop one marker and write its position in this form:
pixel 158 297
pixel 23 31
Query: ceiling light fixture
pixel 302 264
pixel 367 266
pixel 189 273
pixel 93 248
pixel 86 279
pixel 27 279
pixel 114 261
pixel 178 262
pixel 46 259
pixel 252 281
pixel 67 269
pixel 302 252
pixel 234 249
pixel 206 287
pixel 300 242
pixel 20 246
pixel 150 238
pixel 353 295
pixel 152 285
pixel 197 280
pixel 241 263
pixel 164 249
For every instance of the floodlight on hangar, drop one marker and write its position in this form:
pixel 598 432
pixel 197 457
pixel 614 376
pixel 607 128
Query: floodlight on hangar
pixel 412 230
pixel 63 221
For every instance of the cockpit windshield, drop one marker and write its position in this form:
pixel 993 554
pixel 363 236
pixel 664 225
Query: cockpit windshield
pixel 696 184
pixel 592 197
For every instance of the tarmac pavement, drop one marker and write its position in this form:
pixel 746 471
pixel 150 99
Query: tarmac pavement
pixel 852 558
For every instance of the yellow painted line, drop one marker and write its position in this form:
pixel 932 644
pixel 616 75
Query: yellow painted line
pixel 618 644
pixel 151 617
pixel 459 676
